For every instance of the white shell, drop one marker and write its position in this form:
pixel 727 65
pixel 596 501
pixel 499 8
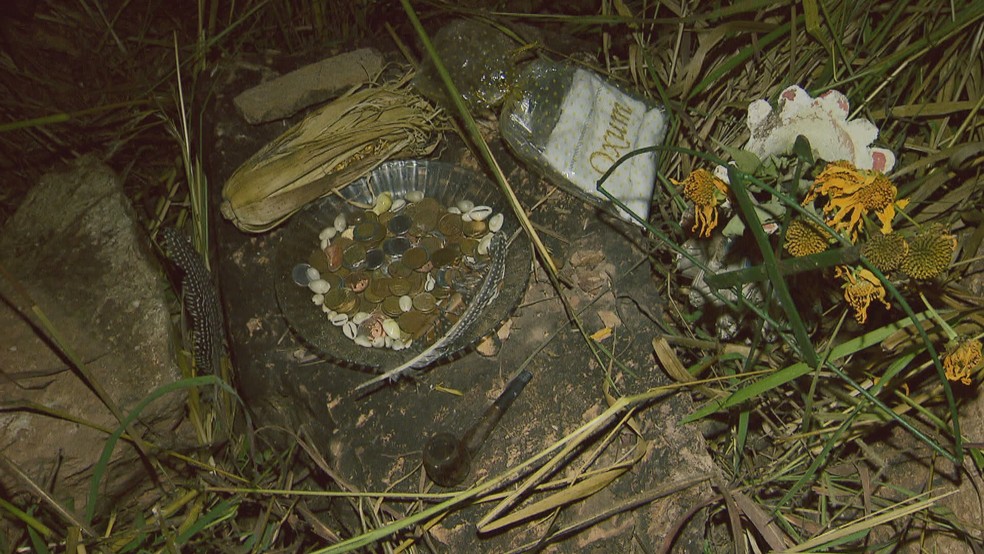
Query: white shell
pixel 429 285
pixel 383 203
pixel 480 213
pixel 378 342
pixel 350 329
pixel 313 274
pixel 338 319
pixel 454 210
pixel 363 341
pixel 484 244
pixel 406 303
pixel 324 244
pixel 465 206
pixel 495 223
pixel 414 196
pixel 327 233
pixel 398 205
pixel 318 299
pixel 327 310
pixel 466 217
pixel 319 286
pixel 360 317
pixel 340 223
pixel 392 328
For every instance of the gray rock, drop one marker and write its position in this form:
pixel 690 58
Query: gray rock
pixel 75 247
pixel 309 85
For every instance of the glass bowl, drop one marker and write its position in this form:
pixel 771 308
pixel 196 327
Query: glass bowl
pixel 446 183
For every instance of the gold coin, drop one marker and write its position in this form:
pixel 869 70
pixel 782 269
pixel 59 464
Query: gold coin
pixel 398 269
pixel 440 293
pixel 415 258
pixel 354 256
pixel 415 323
pixel 449 225
pixel 371 295
pixel 469 247
pixel 319 260
pixel 417 280
pixel 391 306
pixel 425 217
pixel 399 286
pixel 349 304
pixel 364 231
pixel 379 286
pixel 425 302
pixel 474 228
pixel 430 243
pixel 444 257
pixel 385 217
pixel 334 297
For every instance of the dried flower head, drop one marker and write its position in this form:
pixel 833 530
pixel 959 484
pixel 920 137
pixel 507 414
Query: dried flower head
pixel 961 363
pixel 860 288
pixel 885 251
pixel 805 237
pixel 706 191
pixel 853 193
pixel 930 252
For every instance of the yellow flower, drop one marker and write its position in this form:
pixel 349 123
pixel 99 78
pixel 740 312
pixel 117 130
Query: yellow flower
pixel 706 191
pixel 929 253
pixel 886 252
pixel 963 361
pixel 853 193
pixel 804 237
pixel 860 288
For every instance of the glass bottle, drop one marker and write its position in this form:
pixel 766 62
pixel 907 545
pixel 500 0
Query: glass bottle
pixel 572 125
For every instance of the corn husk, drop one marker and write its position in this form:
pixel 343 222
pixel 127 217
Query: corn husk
pixel 330 148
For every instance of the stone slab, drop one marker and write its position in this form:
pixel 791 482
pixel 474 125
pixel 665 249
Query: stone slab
pixel 75 247
pixel 312 84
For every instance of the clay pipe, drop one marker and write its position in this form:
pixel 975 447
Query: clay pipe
pixel 447 459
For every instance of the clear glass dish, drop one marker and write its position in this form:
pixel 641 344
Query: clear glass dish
pixel 442 181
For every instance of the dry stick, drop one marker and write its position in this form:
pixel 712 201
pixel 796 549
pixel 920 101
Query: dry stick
pixel 483 147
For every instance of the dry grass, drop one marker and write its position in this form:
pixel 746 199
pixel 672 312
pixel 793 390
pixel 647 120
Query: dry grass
pixel 804 454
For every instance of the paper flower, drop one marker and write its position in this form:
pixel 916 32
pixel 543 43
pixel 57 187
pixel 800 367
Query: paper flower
pixel 860 288
pixel 823 121
pixel 853 193
pixel 804 237
pixel 963 360
pixel 885 251
pixel 706 191
pixel 929 253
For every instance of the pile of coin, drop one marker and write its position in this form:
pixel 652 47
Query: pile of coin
pixel 401 270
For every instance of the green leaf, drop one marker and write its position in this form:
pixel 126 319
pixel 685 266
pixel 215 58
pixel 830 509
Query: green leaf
pixel 746 161
pixel 796 370
pixel 803 150
pixel 734 228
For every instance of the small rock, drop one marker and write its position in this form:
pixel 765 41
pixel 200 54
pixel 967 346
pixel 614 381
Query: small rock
pixel 309 85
